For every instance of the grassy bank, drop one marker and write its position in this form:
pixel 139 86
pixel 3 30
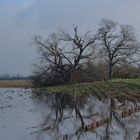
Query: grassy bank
pixel 131 81
pixel 116 87
pixel 15 83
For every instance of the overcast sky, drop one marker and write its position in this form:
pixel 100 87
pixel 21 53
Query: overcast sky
pixel 21 19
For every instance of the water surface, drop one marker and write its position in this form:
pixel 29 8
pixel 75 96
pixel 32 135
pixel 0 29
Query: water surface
pixel 27 114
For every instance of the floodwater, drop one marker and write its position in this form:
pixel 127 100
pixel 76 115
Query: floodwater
pixel 26 114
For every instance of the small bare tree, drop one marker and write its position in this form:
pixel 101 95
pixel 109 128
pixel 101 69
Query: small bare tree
pixel 118 43
pixel 51 57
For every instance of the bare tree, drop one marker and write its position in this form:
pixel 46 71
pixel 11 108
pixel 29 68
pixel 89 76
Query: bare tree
pixel 50 57
pixel 82 48
pixel 118 42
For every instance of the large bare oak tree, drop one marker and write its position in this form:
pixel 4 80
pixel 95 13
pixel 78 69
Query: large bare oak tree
pixel 82 48
pixel 118 43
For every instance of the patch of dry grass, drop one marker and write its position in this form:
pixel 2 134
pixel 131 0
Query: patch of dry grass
pixel 16 83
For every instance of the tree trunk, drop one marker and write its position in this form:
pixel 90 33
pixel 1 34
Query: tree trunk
pixel 110 71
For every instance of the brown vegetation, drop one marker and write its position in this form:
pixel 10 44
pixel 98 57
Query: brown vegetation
pixel 16 83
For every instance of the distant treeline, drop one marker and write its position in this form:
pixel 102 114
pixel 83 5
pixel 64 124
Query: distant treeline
pixel 14 77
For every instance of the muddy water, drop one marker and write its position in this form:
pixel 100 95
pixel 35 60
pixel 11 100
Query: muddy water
pixel 27 114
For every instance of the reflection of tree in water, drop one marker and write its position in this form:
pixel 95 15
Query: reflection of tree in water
pixel 125 128
pixel 66 116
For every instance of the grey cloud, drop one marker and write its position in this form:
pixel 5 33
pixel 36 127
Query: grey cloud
pixel 19 21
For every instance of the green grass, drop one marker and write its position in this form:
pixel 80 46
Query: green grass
pixel 115 87
pixel 130 81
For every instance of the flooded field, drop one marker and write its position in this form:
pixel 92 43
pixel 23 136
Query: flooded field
pixel 26 114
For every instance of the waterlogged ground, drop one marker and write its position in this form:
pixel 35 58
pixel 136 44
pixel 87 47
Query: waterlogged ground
pixel 27 114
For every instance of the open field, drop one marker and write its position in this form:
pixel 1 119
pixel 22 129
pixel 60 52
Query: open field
pixel 16 83
pixel 116 87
